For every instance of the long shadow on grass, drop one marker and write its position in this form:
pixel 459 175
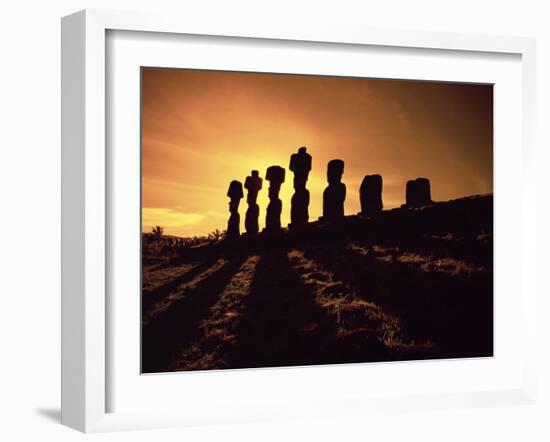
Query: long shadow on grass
pixel 165 337
pixel 281 324
pixel 454 312
pixel 149 297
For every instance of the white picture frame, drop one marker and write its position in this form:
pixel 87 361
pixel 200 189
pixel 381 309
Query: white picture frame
pixel 85 209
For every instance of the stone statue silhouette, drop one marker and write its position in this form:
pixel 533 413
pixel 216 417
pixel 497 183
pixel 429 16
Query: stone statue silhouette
pixel 235 193
pixel 418 193
pixel 276 176
pixel 253 184
pixel 335 194
pixel 300 164
pixel 370 194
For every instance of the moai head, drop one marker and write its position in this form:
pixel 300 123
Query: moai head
pixel 253 183
pixel 410 193
pixel 300 163
pixel 235 193
pixel 276 176
pixel 235 190
pixel 418 192
pixel 424 190
pixel 375 182
pixel 335 170
pixel 370 194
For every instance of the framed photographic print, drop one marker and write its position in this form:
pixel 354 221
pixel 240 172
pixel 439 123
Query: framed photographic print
pixel 267 222
pixel 336 263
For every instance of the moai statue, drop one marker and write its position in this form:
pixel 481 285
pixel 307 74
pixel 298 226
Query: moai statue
pixel 253 184
pixel 276 176
pixel 235 193
pixel 335 194
pixel 300 164
pixel 418 193
pixel 370 194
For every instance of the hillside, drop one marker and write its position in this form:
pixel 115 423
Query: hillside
pixel 408 284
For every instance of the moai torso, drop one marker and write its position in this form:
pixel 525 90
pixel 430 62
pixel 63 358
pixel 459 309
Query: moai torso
pixel 276 176
pixel 300 164
pixel 235 193
pixel 370 194
pixel 418 193
pixel 335 194
pixel 253 184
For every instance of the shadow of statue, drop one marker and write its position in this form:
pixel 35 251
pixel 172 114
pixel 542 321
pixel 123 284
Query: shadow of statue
pixel 176 328
pixel 282 324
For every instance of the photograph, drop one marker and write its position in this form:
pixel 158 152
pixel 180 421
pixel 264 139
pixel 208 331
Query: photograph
pixel 297 220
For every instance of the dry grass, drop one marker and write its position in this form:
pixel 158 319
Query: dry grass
pixel 180 291
pixel 219 328
pixel 422 262
pixel 155 277
pixel 226 312
pixel 350 312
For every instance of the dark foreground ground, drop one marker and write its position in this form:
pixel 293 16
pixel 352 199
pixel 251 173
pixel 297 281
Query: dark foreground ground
pixel 409 284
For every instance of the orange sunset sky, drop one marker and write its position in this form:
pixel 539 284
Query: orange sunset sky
pixel 202 129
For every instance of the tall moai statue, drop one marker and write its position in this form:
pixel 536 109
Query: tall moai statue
pixel 418 193
pixel 335 194
pixel 370 194
pixel 300 164
pixel 276 176
pixel 235 193
pixel 253 184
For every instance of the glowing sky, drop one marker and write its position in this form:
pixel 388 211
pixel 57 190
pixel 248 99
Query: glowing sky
pixel 202 129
